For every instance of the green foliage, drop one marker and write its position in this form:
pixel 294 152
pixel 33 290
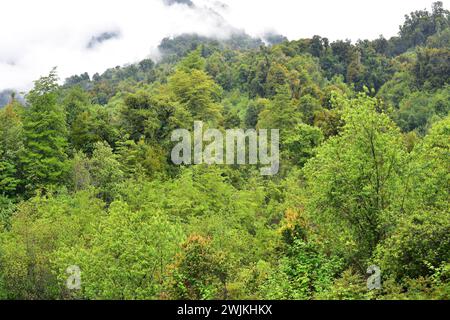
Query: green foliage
pixel 354 181
pixel 75 102
pixel 200 272
pixel 91 126
pixel 126 257
pixel 301 145
pixel 11 146
pixel 253 111
pixel 396 89
pixel 193 61
pixel 7 208
pixel 349 286
pixel 105 170
pixel 198 93
pixel 38 228
pixel 429 172
pixel 419 110
pixel 86 177
pixel 421 241
pixel 153 115
pixel 420 25
pixel 140 158
pixel 432 69
pixel 280 113
pixel 44 158
pixel 302 274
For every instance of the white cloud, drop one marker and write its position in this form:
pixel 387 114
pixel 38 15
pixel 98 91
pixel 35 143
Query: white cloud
pixel 335 19
pixel 37 35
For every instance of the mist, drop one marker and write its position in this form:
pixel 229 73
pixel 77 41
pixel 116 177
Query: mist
pixel 91 36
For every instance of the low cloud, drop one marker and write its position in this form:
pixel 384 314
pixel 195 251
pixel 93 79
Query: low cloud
pixel 91 36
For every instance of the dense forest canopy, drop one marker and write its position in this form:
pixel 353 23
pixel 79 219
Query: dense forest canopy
pixel 86 178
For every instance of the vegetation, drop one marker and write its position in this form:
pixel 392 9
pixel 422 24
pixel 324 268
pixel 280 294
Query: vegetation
pixel 86 178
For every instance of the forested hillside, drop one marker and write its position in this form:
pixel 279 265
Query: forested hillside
pixel 86 177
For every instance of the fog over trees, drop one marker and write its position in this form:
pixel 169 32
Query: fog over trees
pixel 86 177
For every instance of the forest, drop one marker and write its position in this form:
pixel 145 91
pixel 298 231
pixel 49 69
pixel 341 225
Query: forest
pixel 89 195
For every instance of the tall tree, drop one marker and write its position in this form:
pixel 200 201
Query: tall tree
pixel 11 145
pixel 355 181
pixel 45 135
pixel 198 92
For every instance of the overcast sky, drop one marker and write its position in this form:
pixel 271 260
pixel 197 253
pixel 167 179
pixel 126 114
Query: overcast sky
pixel 37 35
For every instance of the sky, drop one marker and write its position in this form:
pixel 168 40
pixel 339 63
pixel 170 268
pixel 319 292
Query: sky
pixel 36 36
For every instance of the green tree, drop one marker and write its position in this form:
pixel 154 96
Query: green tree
pixel 140 158
pixel 301 145
pixel 38 229
pixel 420 243
pixel 429 171
pixel 75 101
pixel 253 110
pixel 281 113
pixel 95 124
pixel 198 93
pixel 200 272
pixel 301 274
pixel 105 170
pixel 277 76
pixel 355 181
pixel 153 115
pixel 432 68
pixel 128 255
pixel 193 61
pixel 44 158
pixel 11 146
pixel 418 111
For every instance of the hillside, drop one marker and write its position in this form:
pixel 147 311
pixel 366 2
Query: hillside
pixel 89 188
